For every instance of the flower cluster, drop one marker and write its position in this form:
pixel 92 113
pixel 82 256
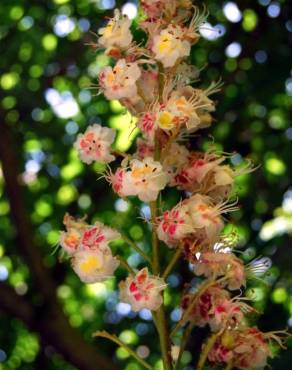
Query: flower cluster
pixel 217 264
pixel 142 178
pixel 155 83
pixel 88 248
pixel 215 308
pixel 94 144
pixel 116 34
pixel 245 349
pixel 196 218
pixel 142 291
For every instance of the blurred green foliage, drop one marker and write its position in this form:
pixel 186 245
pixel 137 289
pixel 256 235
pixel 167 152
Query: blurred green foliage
pixel 47 95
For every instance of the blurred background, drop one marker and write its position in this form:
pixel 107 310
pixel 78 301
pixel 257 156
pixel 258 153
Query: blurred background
pixel 47 66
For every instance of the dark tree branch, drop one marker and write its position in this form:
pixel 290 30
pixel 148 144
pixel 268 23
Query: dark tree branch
pixel 47 319
pixel 15 305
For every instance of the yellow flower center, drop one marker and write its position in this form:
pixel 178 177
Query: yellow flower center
pixel 110 78
pixel 140 172
pixel 108 30
pixel 90 265
pixel 164 45
pixel 165 120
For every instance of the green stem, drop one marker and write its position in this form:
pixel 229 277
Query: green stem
pixel 136 248
pixel 125 264
pixel 118 153
pixel 206 349
pixel 155 241
pixel 115 339
pixel 162 329
pixel 184 342
pixel 159 316
pixel 160 81
pixel 172 263
pixel 141 94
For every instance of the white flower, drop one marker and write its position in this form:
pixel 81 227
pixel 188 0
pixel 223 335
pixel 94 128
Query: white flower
pixel 213 265
pixel 142 291
pixel 116 33
pixel 92 259
pixel 94 144
pixel 158 8
pixel 153 8
pixel 194 223
pixel 196 175
pixel 177 112
pixel 70 239
pixel 80 236
pixel 188 105
pixel 184 107
pixel 120 82
pixel 205 217
pixel 94 266
pixel 145 179
pixel 251 349
pixel 169 46
pixel 174 225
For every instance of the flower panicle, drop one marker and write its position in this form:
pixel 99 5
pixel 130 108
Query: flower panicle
pixel 161 91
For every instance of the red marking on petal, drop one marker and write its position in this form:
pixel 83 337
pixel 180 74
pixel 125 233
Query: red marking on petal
pixel 199 163
pixel 141 277
pixel 220 309
pixel 172 229
pixel 133 287
pixel 138 296
pixel 100 238
pixel 89 136
pixel 164 226
pixel 83 144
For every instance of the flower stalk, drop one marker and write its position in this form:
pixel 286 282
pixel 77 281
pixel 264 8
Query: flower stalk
pixel 184 341
pixel 155 241
pixel 175 258
pixel 115 339
pixel 206 349
pixel 158 86
pixel 136 248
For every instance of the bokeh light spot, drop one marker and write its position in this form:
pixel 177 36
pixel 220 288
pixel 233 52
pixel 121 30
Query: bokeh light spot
pixel 250 20
pixel 130 9
pixel 233 50
pixel 279 295
pixel 232 12
pixel 275 166
pixel 274 10
pixel 9 80
pixel 49 42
